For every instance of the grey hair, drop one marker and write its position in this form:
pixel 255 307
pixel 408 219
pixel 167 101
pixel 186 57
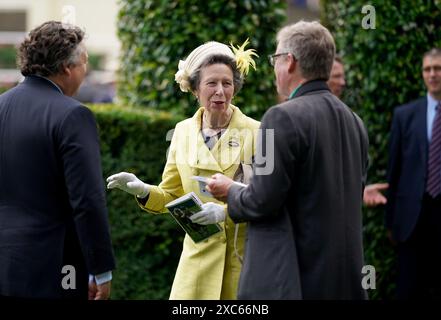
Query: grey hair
pixel 312 46
pixel 75 57
pixel 195 77
pixel 48 47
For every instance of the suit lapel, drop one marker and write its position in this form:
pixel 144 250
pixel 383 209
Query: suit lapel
pixel 421 128
pixel 199 156
pixel 226 150
pixel 229 147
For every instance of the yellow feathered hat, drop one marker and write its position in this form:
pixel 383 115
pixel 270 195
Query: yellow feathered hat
pixel 186 67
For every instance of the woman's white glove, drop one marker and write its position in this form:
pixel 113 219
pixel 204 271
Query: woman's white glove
pixel 128 182
pixel 211 213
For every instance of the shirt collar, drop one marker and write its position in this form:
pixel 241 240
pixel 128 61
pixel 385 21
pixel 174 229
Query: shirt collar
pixel 309 86
pixel 293 93
pixel 431 102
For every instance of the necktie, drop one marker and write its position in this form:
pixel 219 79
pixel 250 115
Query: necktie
pixel 434 165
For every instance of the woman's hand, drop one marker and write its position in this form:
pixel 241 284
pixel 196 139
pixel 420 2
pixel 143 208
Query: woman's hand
pixel 211 213
pixel 128 182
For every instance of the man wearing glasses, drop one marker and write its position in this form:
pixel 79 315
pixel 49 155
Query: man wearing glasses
pixel 304 217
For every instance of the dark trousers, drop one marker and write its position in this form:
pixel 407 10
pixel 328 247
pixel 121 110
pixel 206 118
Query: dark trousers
pixel 419 257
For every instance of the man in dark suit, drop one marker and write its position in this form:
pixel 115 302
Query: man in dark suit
pixel 413 212
pixel 303 203
pixel 54 229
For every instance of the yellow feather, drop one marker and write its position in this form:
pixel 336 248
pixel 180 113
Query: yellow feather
pixel 244 57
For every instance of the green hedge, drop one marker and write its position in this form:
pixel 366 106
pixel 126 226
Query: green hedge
pixel 155 35
pixel 147 247
pixel 7 57
pixel 383 68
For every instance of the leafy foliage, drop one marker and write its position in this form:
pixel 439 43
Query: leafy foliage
pixel 7 57
pixel 147 247
pixel 155 35
pixel 383 70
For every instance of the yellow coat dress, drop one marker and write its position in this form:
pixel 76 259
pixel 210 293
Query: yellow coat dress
pixel 208 269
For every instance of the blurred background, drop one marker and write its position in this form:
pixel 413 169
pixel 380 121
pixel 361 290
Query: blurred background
pixel 99 19
pixel 134 47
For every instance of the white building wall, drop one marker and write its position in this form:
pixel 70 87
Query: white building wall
pixel 96 17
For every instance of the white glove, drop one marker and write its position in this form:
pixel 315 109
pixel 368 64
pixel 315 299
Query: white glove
pixel 128 182
pixel 211 213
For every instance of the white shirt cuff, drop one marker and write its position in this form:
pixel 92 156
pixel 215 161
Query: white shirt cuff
pixel 101 278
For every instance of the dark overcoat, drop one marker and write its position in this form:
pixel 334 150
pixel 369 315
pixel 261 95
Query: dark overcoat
pixel 304 202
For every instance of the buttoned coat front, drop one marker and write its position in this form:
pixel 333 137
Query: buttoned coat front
pixel 208 269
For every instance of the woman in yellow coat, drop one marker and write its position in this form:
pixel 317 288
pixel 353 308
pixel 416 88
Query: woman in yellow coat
pixel 217 139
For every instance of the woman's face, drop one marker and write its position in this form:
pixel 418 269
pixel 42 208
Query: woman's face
pixel 216 87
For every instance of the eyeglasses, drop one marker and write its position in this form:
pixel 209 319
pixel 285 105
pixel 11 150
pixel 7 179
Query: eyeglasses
pixel 272 57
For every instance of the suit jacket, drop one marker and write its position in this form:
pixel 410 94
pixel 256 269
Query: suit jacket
pixel 305 222
pixel 208 269
pixel 52 202
pixel 407 168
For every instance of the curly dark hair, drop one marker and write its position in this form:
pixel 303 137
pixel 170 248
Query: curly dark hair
pixel 48 48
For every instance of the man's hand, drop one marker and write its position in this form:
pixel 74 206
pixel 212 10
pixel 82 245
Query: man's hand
pixel 100 291
pixel 218 186
pixel 372 195
pixel 92 290
pixel 211 213
pixel 128 182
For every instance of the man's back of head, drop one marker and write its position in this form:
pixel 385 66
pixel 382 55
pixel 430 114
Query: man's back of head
pixel 55 50
pixel 305 52
pixel 312 46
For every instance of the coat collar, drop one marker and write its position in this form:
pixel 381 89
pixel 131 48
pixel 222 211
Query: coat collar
pixel 36 79
pixel 225 152
pixel 311 86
